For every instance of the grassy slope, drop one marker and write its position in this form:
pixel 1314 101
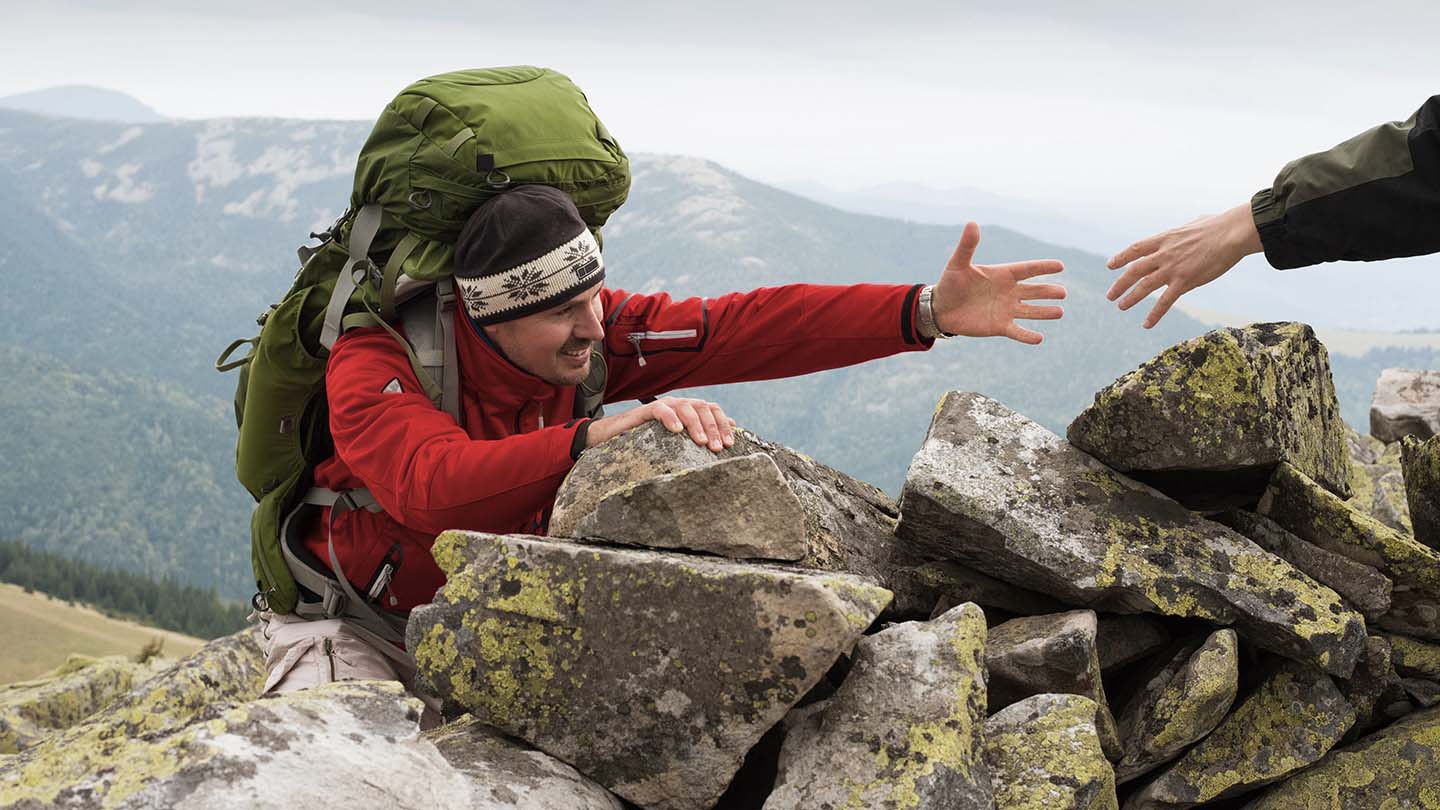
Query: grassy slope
pixel 39 632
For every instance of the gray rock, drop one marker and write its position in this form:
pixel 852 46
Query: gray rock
pixel 1124 639
pixel 1377 486
pixel 1293 719
pixel 1414 657
pixel 946 584
pixel 1307 510
pixel 1044 754
pixel 1396 767
pixel 1228 401
pixel 1184 702
pixel 736 507
pixel 1373 685
pixel 347 744
pixel 1366 589
pixel 1420 463
pixel 32 710
pixel 653 674
pixel 1424 693
pixel 1035 655
pixel 905 730
pixel 993 490
pixel 1406 403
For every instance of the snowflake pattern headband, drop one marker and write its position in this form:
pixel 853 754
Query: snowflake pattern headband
pixel 535 285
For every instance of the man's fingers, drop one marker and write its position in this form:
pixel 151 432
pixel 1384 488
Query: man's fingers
pixel 687 413
pixel 1028 336
pixel 1031 312
pixel 1167 300
pixel 964 253
pixel 1039 267
pixel 725 423
pixel 1142 248
pixel 1034 292
pixel 666 415
pixel 1142 290
pixel 1132 274
pixel 708 426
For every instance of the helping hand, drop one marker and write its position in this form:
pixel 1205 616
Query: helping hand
pixel 979 300
pixel 705 422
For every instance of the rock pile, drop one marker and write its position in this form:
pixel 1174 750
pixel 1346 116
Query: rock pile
pixel 1199 598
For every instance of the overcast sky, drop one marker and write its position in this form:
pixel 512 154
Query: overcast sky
pixel 1132 115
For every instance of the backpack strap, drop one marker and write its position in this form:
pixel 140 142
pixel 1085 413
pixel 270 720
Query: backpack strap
pixel 590 394
pixel 362 233
pixel 430 338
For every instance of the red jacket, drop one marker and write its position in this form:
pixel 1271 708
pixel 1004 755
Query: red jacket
pixel 499 472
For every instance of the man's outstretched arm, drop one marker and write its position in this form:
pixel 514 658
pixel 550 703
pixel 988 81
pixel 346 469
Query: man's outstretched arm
pixel 1375 196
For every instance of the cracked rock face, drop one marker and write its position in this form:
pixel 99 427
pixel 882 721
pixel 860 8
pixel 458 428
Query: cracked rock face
pixel 905 730
pixel 1406 403
pixel 1230 400
pixel 736 507
pixel 1180 705
pixel 1044 754
pixel 1398 766
pixel 995 491
pixel 653 674
pixel 1035 655
pixel 1293 719
pixel 1307 510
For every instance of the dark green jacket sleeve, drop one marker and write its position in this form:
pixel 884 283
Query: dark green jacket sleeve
pixel 1375 196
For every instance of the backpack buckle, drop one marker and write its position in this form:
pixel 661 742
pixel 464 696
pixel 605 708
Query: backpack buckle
pixel 332 601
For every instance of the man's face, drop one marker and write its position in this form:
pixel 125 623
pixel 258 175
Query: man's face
pixel 554 345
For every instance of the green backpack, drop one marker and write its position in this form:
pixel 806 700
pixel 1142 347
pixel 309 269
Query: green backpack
pixel 442 147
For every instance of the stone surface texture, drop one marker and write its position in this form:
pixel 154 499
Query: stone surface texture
pixel 1307 510
pixel 905 730
pixel 1044 754
pixel 736 507
pixel 1184 702
pixel 1420 464
pixel 994 490
pixel 1293 719
pixel 1124 639
pixel 1228 400
pixel 1377 481
pixel 32 710
pixel 653 674
pixel 1405 403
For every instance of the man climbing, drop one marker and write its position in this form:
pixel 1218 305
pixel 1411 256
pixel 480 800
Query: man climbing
pixel 1375 196
pixel 535 316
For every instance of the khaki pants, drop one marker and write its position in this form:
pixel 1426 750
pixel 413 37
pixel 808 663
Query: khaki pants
pixel 301 653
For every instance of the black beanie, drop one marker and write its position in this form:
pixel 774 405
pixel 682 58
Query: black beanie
pixel 524 251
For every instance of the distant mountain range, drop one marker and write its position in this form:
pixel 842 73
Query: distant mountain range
pixel 83 101
pixel 135 252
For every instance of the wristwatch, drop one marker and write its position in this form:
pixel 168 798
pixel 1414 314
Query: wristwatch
pixel 925 320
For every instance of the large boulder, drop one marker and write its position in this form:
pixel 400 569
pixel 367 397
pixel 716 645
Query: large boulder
pixel 1420 464
pixel 1406 403
pixel 1366 589
pixel 32 710
pixel 653 674
pixel 737 507
pixel 905 729
pixel 1413 657
pixel 1200 415
pixel 1035 655
pixel 1309 511
pixel 1181 704
pixel 994 490
pixel 349 744
pixel 1293 719
pixel 1396 767
pixel 1044 754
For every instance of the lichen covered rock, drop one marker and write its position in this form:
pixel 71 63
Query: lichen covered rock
pixel 905 730
pixel 1293 719
pixel 1229 400
pixel 651 673
pixel 32 710
pixel 1405 403
pixel 1182 703
pixel 1307 510
pixel 1396 767
pixel 1044 754
pixel 1366 589
pixel 1420 463
pixel 1377 486
pixel 995 491
pixel 943 584
pixel 736 507
pixel 504 775
pixel 1051 654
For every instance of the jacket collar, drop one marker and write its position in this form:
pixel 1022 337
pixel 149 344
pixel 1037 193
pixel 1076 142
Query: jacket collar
pixel 487 373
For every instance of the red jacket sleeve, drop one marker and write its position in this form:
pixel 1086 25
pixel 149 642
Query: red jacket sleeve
pixel 422 468
pixel 657 345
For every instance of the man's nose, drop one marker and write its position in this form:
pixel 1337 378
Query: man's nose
pixel 589 326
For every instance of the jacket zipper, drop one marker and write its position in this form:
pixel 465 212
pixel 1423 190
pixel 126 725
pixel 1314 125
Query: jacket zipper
pixel 673 334
pixel 329 646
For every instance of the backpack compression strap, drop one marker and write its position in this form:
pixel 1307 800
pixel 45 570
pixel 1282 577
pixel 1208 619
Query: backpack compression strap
pixel 362 233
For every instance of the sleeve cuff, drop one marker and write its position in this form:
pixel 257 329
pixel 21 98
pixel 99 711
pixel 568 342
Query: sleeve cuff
pixel 582 434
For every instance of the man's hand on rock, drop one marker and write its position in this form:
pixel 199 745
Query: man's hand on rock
pixel 1182 259
pixel 980 300
pixel 706 424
